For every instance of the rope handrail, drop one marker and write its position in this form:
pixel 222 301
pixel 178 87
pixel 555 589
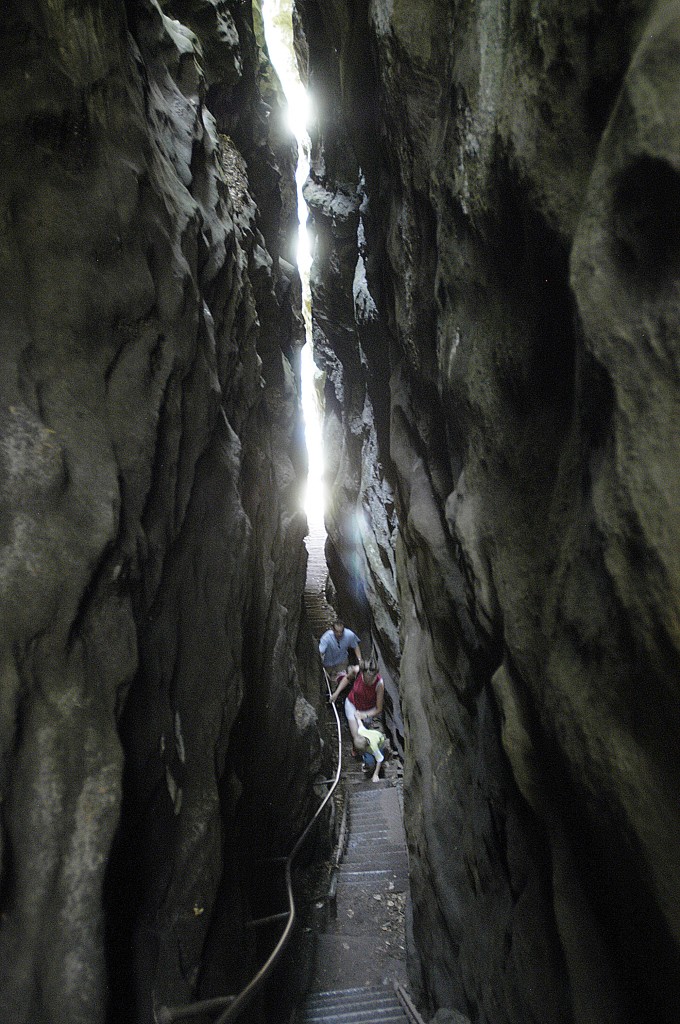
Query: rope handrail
pixel 232 1006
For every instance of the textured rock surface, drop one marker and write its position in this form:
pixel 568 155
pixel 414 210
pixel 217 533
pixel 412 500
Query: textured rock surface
pixel 156 736
pixel 514 325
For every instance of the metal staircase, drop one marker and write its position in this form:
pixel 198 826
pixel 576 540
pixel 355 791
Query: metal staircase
pixel 355 1006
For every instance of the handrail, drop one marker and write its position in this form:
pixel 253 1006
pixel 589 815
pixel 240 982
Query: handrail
pixel 407 1004
pixel 236 1004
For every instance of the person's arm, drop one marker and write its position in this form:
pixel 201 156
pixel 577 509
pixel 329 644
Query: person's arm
pixel 343 681
pixel 323 643
pixel 356 649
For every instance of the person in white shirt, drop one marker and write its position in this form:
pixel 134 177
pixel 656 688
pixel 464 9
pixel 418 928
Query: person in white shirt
pixel 334 647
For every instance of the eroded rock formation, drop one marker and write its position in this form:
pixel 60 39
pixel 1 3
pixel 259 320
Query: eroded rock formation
pixel 156 728
pixel 495 189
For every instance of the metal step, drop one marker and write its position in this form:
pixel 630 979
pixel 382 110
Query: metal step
pixel 369 829
pixel 374 839
pixel 351 1001
pixel 367 862
pixel 376 873
pixel 374 842
pixel 354 1006
pixel 393 1016
pixel 379 852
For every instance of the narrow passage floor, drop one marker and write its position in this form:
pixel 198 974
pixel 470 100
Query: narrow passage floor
pixel 361 953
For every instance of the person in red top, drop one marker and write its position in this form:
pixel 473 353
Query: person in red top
pixel 365 699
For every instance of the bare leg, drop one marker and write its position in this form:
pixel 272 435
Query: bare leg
pixel 351 720
pixel 337 670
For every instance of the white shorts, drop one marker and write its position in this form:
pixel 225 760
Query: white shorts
pixel 349 709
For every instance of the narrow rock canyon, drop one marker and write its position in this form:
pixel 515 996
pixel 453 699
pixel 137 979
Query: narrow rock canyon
pixel 494 194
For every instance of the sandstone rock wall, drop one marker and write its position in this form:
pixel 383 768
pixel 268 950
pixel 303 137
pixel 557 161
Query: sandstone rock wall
pixel 498 183
pixel 156 735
